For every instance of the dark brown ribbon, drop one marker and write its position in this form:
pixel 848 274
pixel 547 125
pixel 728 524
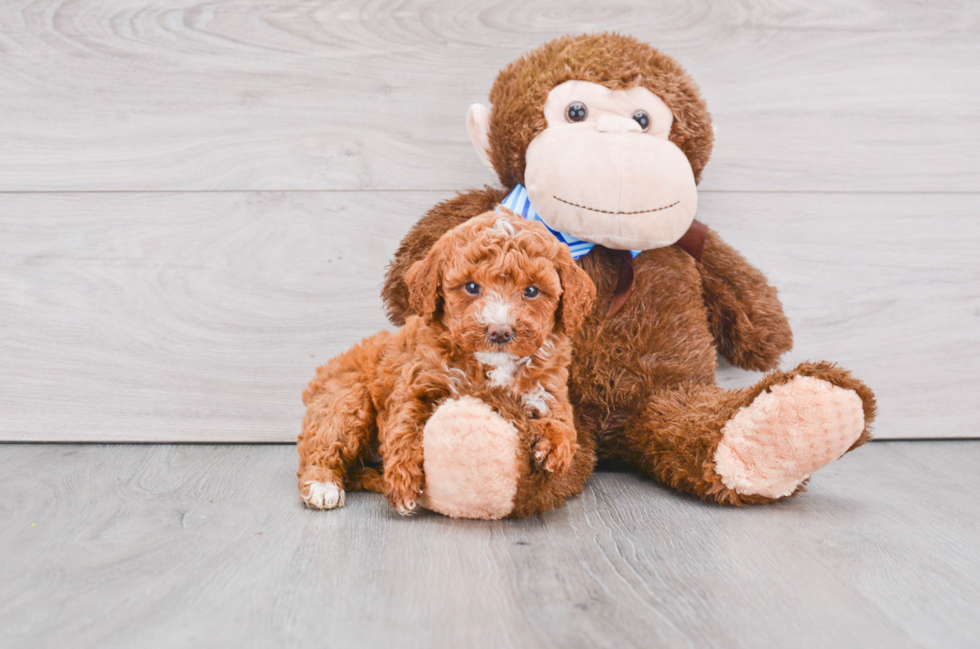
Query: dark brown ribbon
pixel 692 243
pixel 625 284
pixel 693 240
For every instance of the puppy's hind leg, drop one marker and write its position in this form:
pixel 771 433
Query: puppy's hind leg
pixel 338 424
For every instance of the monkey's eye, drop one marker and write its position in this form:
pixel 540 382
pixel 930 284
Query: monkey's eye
pixel 472 288
pixel 531 292
pixel 576 112
pixel 642 119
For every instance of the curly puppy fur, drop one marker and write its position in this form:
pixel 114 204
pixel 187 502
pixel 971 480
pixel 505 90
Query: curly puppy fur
pixel 642 381
pixel 377 397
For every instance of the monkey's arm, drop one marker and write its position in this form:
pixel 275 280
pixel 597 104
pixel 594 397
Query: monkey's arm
pixel 440 219
pixel 746 316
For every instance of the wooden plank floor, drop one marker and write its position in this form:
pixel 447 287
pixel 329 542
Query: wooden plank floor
pixel 163 546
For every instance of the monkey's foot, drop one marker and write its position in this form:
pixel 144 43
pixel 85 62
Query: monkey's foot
pixel 773 444
pixel 471 461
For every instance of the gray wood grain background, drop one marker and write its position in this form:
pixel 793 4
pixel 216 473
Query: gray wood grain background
pixel 198 199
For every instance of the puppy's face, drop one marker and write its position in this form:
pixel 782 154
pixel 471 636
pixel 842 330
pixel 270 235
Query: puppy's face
pixel 501 284
pixel 501 300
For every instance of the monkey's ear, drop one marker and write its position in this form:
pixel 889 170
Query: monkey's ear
pixel 423 279
pixel 577 297
pixel 478 126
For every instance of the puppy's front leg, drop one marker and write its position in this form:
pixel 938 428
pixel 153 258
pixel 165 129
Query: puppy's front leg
pixel 555 445
pixel 401 449
pixel 553 435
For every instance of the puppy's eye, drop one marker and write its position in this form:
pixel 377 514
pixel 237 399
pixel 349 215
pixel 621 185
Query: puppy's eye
pixel 472 288
pixel 642 119
pixel 531 292
pixel 576 112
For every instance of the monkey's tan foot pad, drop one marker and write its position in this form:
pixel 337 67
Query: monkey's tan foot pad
pixel 471 461
pixel 323 495
pixel 772 445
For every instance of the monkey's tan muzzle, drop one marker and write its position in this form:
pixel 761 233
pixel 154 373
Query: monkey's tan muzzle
pixel 606 182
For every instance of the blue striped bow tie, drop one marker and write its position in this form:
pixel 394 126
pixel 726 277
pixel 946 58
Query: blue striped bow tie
pixel 517 201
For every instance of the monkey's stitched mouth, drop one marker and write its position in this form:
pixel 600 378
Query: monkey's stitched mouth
pixel 592 209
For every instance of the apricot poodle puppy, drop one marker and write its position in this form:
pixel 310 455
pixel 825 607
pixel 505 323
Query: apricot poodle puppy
pixel 498 298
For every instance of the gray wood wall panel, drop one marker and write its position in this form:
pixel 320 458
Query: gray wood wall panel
pixel 163 546
pixel 201 316
pixel 197 200
pixel 848 96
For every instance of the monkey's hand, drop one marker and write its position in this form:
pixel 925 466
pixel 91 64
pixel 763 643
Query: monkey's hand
pixel 745 314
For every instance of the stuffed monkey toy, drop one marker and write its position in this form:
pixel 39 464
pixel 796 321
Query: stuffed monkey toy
pixel 604 139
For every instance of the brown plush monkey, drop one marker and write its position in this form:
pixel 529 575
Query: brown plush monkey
pixel 603 138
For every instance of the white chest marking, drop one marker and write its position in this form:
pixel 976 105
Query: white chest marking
pixel 504 367
pixel 536 400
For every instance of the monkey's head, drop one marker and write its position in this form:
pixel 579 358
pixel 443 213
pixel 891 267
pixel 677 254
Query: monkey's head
pixel 608 135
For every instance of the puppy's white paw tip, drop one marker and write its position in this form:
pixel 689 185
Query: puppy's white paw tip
pixel 324 495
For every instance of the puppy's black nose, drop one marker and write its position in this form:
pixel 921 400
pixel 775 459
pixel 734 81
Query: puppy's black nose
pixel 500 333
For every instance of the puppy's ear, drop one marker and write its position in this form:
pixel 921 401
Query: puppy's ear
pixel 424 279
pixel 578 294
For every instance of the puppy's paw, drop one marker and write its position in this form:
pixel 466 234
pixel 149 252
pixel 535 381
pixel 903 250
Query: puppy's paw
pixel 555 447
pixel 404 492
pixel 323 495
pixel 406 505
pixel 553 458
